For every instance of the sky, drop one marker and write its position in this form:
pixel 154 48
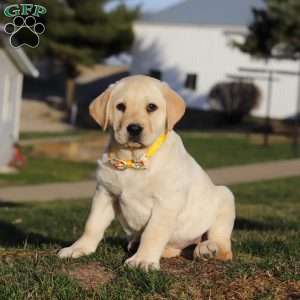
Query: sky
pixel 152 5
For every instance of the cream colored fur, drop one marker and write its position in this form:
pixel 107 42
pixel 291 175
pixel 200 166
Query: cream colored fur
pixel 166 207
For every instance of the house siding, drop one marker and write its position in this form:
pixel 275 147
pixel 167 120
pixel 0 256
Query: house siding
pixel 10 98
pixel 207 51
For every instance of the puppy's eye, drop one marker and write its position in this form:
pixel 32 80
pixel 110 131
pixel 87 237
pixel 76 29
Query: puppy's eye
pixel 151 107
pixel 121 107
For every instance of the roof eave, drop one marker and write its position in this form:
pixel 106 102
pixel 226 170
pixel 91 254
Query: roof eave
pixel 19 57
pixel 225 26
pixel 22 61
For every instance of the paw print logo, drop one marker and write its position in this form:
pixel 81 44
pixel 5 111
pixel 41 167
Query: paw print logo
pixel 24 31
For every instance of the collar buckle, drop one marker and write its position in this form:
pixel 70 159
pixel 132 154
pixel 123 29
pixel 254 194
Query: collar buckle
pixel 119 164
pixel 138 164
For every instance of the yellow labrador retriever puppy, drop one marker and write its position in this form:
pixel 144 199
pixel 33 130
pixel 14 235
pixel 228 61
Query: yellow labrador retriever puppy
pixel 146 179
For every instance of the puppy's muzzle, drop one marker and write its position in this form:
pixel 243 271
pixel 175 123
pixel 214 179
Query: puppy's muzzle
pixel 134 130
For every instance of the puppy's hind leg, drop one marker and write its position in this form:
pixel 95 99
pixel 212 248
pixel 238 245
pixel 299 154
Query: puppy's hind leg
pixel 171 252
pixel 218 244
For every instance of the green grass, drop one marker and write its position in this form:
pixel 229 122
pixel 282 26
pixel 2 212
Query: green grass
pixel 216 150
pixel 211 151
pixel 266 244
pixel 41 169
pixel 46 135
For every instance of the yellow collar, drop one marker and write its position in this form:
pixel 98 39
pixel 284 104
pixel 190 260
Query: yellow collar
pixel 139 164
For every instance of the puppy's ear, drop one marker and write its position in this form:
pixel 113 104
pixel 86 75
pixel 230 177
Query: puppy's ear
pixel 175 106
pixel 99 108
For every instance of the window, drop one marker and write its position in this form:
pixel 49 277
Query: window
pixel 191 81
pixel 155 74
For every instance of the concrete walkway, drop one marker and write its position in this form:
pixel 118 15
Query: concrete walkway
pixel 227 176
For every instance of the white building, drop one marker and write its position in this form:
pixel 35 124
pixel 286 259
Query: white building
pixel 194 39
pixel 13 65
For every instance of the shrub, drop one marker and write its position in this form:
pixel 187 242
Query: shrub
pixel 235 99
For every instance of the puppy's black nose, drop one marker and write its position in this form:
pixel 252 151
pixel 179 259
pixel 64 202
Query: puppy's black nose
pixel 134 129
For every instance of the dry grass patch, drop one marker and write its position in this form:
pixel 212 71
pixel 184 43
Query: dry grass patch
pixel 213 280
pixel 90 275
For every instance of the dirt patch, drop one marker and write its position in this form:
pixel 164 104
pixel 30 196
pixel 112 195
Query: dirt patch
pixel 210 280
pixel 91 275
pixel 194 278
pixel 182 266
pixel 12 255
pixel 262 284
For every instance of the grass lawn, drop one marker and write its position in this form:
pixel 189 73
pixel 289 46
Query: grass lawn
pixel 217 150
pixel 45 170
pixel 266 243
pixel 210 150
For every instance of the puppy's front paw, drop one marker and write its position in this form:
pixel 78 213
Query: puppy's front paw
pixel 206 250
pixel 74 251
pixel 147 265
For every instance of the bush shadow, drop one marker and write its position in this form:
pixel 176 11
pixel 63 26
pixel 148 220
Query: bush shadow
pixel 7 204
pixel 12 236
pixel 246 224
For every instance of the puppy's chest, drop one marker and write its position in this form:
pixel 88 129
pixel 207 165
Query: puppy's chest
pixel 134 199
pixel 131 182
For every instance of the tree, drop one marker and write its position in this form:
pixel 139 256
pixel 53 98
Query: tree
pixel 275 33
pixel 82 32
pixel 275 30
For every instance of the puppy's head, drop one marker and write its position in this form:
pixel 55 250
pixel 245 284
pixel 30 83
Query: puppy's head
pixel 138 109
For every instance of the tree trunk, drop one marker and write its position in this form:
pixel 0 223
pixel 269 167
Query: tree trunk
pixel 70 93
pixel 71 107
